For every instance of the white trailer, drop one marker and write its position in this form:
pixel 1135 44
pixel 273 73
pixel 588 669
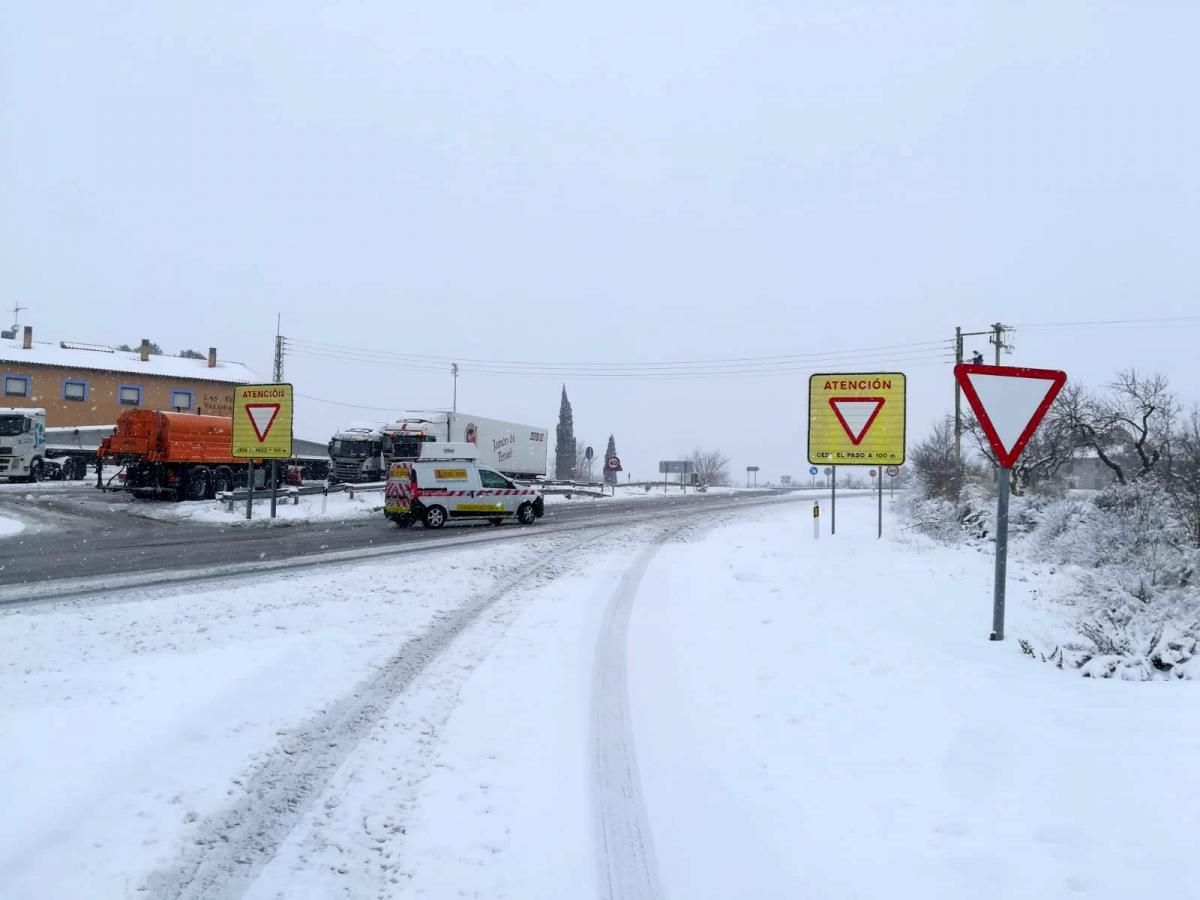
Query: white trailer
pixel 518 451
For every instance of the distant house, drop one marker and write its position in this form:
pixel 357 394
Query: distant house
pixel 1086 472
pixel 91 384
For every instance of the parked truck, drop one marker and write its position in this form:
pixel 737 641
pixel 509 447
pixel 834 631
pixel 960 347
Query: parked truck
pixel 363 453
pixel 22 444
pixel 181 455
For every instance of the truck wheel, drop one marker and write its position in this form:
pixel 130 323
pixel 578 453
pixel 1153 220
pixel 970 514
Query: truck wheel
pixel 223 480
pixel 196 487
pixel 526 514
pixel 71 469
pixel 36 469
pixel 435 517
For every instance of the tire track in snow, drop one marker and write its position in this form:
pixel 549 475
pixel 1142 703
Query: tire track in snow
pixel 627 867
pixel 235 845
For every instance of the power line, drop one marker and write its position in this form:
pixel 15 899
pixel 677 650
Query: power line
pixel 938 358
pixel 441 362
pixel 1169 321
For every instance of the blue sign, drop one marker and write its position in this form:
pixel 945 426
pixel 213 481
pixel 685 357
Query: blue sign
pixel 812 470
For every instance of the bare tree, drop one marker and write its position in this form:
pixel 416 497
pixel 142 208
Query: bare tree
pixel 710 466
pixel 936 465
pixel 1183 480
pixel 1130 427
pixel 583 465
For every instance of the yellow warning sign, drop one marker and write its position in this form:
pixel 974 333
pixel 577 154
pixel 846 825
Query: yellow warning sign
pixel 480 507
pixel 262 421
pixel 450 474
pixel 856 418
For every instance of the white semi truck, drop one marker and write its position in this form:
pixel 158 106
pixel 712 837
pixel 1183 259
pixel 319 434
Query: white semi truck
pixel 22 443
pixel 363 453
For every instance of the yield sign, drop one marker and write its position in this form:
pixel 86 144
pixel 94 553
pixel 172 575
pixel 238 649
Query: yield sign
pixel 856 414
pixel 262 417
pixel 1010 402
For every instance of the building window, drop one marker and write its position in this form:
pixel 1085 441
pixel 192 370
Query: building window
pixel 16 385
pixel 129 395
pixel 75 390
pixel 182 399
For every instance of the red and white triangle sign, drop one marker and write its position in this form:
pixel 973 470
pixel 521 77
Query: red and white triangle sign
pixel 857 414
pixel 1010 402
pixel 262 417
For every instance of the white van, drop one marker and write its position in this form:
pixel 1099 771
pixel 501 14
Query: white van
pixel 435 491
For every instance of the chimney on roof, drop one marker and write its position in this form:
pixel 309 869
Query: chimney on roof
pixel 144 350
pixel 27 340
pixel 212 357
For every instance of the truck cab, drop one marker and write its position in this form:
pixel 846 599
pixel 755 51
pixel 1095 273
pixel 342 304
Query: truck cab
pixel 356 455
pixel 22 443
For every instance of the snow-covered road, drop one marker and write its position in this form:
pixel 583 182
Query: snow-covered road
pixel 659 711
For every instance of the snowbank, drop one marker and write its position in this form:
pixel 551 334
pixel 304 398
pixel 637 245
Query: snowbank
pixel 338 506
pixel 9 527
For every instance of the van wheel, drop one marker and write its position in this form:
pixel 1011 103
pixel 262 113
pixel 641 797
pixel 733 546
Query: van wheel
pixel 526 514
pixel 223 480
pixel 435 517
pixel 196 487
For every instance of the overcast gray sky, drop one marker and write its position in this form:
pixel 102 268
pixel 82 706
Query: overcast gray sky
pixel 625 182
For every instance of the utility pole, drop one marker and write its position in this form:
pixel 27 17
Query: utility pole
pixel 958 358
pixel 277 377
pixel 959 334
pixel 454 372
pixel 997 338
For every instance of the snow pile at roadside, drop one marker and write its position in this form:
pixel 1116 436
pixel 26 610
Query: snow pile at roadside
pixel 1116 576
pixel 337 506
pixel 9 527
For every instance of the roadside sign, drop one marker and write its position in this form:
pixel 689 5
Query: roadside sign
pixel 872 473
pixel 812 470
pixel 588 454
pixel 856 418
pixel 1010 402
pixel 828 470
pixel 893 471
pixel 262 421
pixel 675 467
pixel 613 464
pixel 751 468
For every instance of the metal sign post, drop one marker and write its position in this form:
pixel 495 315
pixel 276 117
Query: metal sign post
pixel 250 489
pixel 816 520
pixel 1001 555
pixel 274 485
pixel 879 483
pixel 833 500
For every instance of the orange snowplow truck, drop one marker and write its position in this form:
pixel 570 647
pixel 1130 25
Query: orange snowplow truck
pixel 167 454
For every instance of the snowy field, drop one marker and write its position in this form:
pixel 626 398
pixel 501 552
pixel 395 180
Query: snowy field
pixel 664 710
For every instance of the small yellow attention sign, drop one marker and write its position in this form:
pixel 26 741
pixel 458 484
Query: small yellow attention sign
pixel 856 419
pixel 262 421
pixel 450 474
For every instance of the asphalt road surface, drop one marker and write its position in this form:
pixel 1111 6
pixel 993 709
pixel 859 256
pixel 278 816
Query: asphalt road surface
pixel 74 531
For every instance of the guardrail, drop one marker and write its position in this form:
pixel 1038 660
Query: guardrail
pixel 294 493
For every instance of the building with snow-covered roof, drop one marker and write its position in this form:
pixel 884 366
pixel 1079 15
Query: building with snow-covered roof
pixel 91 384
